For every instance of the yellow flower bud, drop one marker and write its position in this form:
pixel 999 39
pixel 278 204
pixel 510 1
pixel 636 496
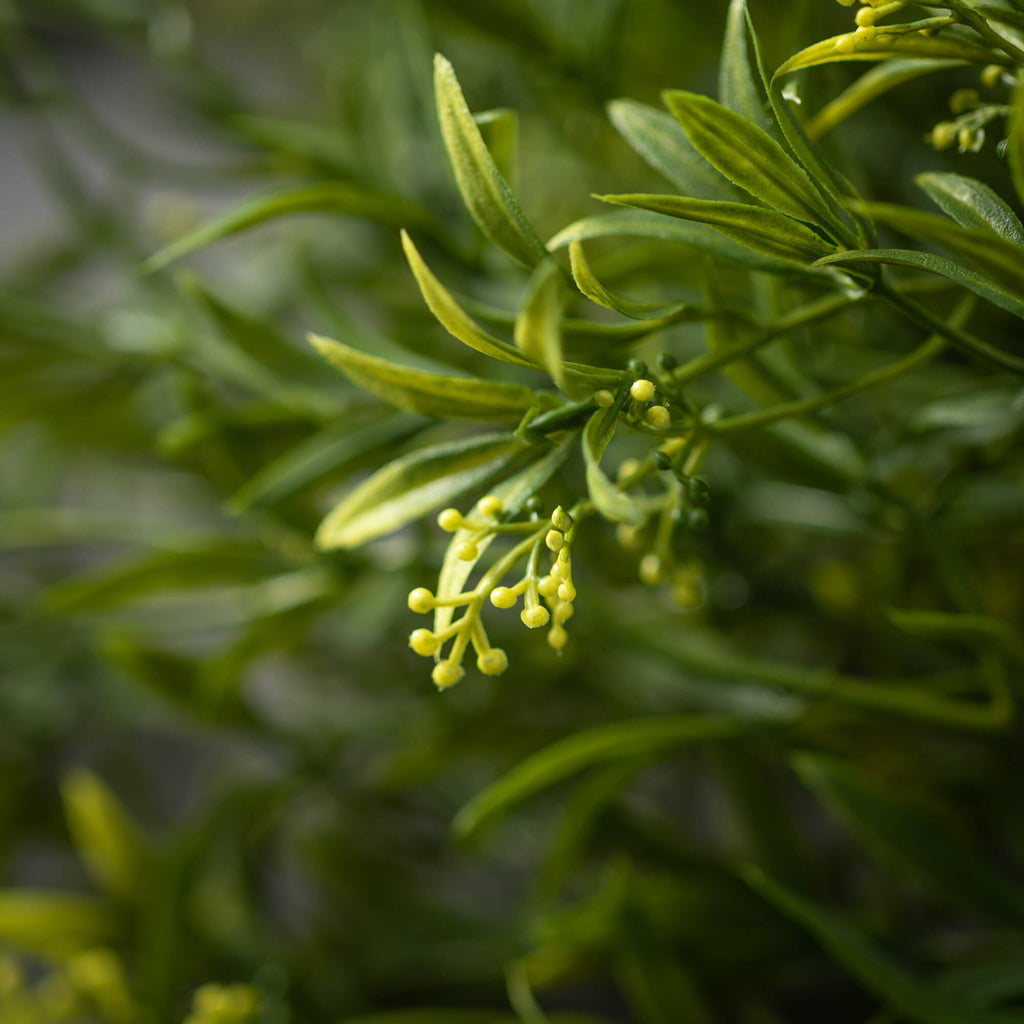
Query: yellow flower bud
pixel 627 469
pixel 658 417
pixel 423 642
pixel 563 612
pixel 970 140
pixel 492 662
pixel 491 506
pixel 846 44
pixel 642 390
pixel 943 135
pixel 561 520
pixel 991 76
pixel 866 16
pixel 548 585
pixel 866 34
pixel 450 520
pixel 535 617
pixel 652 571
pixel 467 551
pixel 566 591
pixel 503 597
pixel 963 100
pixel 554 540
pixel 421 600
pixel 447 673
pixel 557 637
pixel 604 399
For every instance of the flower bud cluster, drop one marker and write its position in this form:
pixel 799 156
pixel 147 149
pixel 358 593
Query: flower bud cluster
pixel 547 599
pixel 646 405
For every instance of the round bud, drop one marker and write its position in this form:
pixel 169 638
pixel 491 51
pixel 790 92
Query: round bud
pixel 866 34
pixel 423 642
pixel 658 417
pixel 865 16
pixel 847 3
pixel 846 44
pixel 503 597
pixel 554 540
pixel 421 600
pixel 662 461
pixel 963 100
pixel 561 520
pixel 563 612
pixel 991 76
pixel 548 586
pixel 943 135
pixel 637 367
pixel 492 662
pixel 491 506
pixel 698 489
pixel 559 571
pixel 970 140
pixel 557 637
pixel 603 399
pixel 652 572
pixel 447 673
pixel 450 520
pixel 566 591
pixel 535 617
pixel 667 362
pixel 467 551
pixel 626 469
pixel 642 390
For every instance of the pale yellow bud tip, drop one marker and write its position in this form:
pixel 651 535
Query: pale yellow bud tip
pixel 447 673
pixel 866 16
pixel 467 552
pixel 642 390
pixel 423 642
pixel 503 597
pixel 561 520
pixel 492 662
pixel 554 540
pixel 450 520
pixel 566 591
pixel 604 399
pixel 846 44
pixel 421 600
pixel 658 417
pixel 651 570
pixel 558 637
pixel 535 617
pixel 548 586
pixel 491 506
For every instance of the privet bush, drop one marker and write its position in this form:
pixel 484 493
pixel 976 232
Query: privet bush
pixel 739 440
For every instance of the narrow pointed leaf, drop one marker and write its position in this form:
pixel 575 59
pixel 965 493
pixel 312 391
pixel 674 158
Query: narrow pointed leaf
pixel 592 288
pixel 538 332
pixel 737 88
pixel 933 264
pixel 659 140
pixel 973 205
pixel 768 232
pixel 330 197
pixel 748 156
pixel 500 132
pixel 640 737
pixel 485 192
pixel 452 317
pixel 413 485
pixel 54 923
pixel 109 843
pixel 611 502
pixel 1015 143
pixel 429 394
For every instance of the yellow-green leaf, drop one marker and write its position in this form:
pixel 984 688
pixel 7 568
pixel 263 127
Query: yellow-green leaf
pixel 53 923
pixel 414 485
pixel 611 502
pixel 485 192
pixel 972 204
pixel 429 394
pixel 1015 141
pixel 538 332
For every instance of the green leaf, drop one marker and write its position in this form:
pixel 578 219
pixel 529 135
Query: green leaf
pixel 633 223
pixel 873 83
pixel 327 452
pixel 428 394
pixel 414 485
pixel 889 47
pixel 1015 141
pixel 1001 261
pixel 500 132
pixel 611 502
pixel 452 317
pixel 330 197
pixel 737 88
pixel 538 332
pixel 973 205
pixel 933 264
pixel 894 829
pixel 638 737
pixel 52 923
pixel 657 137
pixel 484 191
pixel 109 843
pixel 514 493
pixel 902 991
pixel 748 156
pixel 592 288
pixel 766 231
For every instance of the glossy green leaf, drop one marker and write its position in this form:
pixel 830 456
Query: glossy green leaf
pixel 53 923
pixel 972 204
pixel 889 47
pixel 657 137
pixel 892 828
pixel 1015 141
pixel 933 264
pixel 452 317
pixel 902 991
pixel 639 737
pixel 748 156
pixel 611 502
pixel 737 88
pixel 428 394
pixel 109 843
pixel 330 197
pixel 637 224
pixel 592 288
pixel 326 452
pixel 1001 261
pixel 538 331
pixel 873 83
pixel 413 485
pixel 766 231
pixel 514 493
pixel 484 191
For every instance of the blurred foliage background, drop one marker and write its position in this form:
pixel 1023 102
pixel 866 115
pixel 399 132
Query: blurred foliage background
pixel 220 765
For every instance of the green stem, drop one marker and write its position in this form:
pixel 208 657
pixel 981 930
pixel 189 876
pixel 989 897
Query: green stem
pixel 974 20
